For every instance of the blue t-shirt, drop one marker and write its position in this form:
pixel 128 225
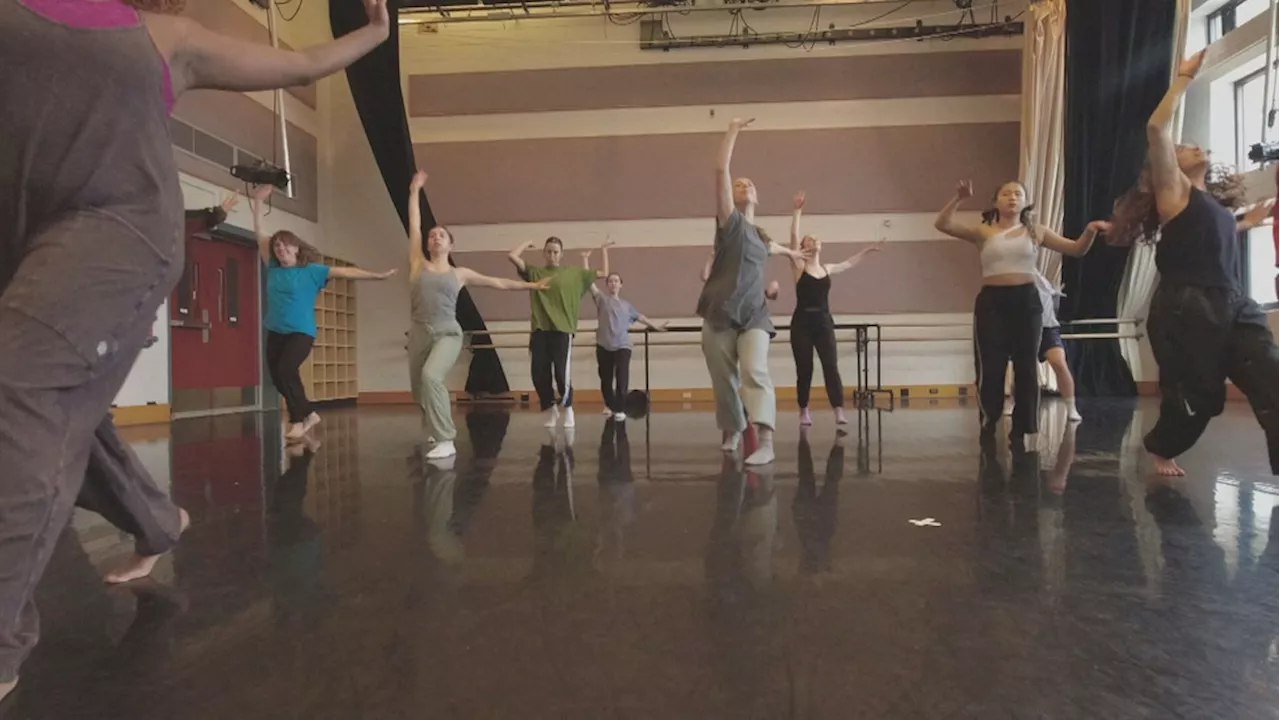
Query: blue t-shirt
pixel 615 316
pixel 291 297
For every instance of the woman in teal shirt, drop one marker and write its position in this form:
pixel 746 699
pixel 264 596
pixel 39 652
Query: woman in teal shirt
pixel 294 280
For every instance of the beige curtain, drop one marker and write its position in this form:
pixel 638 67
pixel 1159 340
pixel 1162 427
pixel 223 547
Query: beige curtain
pixel 1043 85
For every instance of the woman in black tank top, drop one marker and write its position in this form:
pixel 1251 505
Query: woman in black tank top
pixel 1204 329
pixel 812 327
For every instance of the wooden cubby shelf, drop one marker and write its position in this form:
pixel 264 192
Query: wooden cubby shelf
pixel 330 372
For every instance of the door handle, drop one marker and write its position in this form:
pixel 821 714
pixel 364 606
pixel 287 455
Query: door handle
pixel 222 291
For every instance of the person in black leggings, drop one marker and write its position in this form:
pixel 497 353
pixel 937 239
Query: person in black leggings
pixel 1204 328
pixel 1007 314
pixel 812 327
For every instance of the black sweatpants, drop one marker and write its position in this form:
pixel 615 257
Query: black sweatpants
pixel 812 331
pixel 285 355
pixel 615 375
pixel 549 357
pixel 1006 328
pixel 1201 337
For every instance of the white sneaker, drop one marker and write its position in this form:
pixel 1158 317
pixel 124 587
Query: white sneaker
pixel 729 441
pixel 620 417
pixel 568 418
pixel 442 450
pixel 553 417
pixel 762 456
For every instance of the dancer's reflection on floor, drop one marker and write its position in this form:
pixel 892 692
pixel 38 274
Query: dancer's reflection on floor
pixel 617 492
pixel 815 510
pixel 295 543
pixel 562 546
pixel 486 429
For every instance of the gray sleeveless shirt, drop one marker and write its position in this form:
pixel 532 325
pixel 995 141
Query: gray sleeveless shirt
pixel 84 129
pixel 733 296
pixel 433 300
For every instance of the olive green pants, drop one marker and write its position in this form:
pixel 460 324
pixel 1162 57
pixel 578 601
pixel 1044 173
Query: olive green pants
pixel 432 354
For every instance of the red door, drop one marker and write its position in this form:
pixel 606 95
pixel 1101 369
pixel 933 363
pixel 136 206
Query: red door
pixel 214 318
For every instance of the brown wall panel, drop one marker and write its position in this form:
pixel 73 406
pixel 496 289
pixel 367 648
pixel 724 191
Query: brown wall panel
pixel 636 177
pixel 937 276
pixel 241 121
pixel 226 18
pixel 991 72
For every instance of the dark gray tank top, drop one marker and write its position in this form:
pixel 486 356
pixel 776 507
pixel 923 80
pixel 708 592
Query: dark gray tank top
pixel 84 128
pixel 433 300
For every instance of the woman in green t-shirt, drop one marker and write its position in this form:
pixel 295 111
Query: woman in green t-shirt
pixel 554 321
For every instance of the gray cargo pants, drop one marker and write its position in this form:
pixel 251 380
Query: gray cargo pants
pixel 74 314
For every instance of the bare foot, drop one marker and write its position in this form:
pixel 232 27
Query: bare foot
pixel 311 421
pixel 140 566
pixel 295 432
pixel 6 688
pixel 1166 467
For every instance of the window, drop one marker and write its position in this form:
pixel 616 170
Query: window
pixel 1260 265
pixel 1232 15
pixel 1250 116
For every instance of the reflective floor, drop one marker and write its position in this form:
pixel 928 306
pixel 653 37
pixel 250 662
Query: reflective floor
pixel 628 571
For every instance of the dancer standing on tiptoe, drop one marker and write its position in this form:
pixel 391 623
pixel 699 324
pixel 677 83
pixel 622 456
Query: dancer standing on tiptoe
pixel 614 317
pixel 91 244
pixel 295 277
pixel 1204 328
pixel 812 327
pixel 554 320
pixel 1007 314
pixel 435 338
pixel 736 326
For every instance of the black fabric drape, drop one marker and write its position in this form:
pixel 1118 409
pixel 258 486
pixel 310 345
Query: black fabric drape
pixel 375 87
pixel 1117 69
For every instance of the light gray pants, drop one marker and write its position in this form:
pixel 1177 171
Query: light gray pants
pixel 732 354
pixel 432 354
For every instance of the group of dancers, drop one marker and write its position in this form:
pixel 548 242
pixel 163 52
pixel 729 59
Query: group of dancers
pixel 91 244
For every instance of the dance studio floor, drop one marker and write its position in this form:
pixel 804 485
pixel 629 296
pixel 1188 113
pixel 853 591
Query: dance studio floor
pixel 630 573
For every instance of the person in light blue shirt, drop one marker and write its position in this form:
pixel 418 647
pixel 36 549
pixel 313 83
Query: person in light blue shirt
pixel 614 318
pixel 295 278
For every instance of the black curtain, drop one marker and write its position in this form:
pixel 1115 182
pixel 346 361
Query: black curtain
pixel 1117 69
pixel 375 86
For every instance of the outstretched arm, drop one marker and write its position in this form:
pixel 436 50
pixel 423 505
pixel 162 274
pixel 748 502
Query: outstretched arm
pixel 1171 186
pixel 1073 248
pixel 417 258
pixel 471 277
pixel 797 255
pixel 354 273
pixel 202 58
pixel 724 179
pixel 854 259
pixel 651 324
pixel 257 203
pixel 1255 216
pixel 946 223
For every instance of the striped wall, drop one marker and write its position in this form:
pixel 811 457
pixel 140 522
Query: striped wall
pixel 566 128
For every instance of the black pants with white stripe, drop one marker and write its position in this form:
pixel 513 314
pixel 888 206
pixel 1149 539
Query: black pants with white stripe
pixel 1006 328
pixel 549 361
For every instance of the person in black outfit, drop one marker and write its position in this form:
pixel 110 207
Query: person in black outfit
pixel 812 327
pixel 1204 328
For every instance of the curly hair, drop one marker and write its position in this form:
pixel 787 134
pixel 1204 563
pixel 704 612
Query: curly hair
pixel 1134 217
pixel 165 7
pixel 307 255
pixel 1026 217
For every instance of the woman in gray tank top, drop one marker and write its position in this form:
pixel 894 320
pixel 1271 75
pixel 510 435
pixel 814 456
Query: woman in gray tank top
pixel 736 328
pixel 435 337
pixel 87 172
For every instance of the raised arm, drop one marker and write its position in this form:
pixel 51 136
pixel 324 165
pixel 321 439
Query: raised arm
pixel 854 259
pixel 471 277
pixel 201 58
pixel 257 203
pixel 417 258
pixel 946 223
pixel 1072 248
pixel 724 179
pixel 354 273
pixel 797 206
pixel 515 256
pixel 1170 185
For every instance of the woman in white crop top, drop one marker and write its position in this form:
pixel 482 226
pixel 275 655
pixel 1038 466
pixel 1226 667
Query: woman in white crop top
pixel 1007 313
